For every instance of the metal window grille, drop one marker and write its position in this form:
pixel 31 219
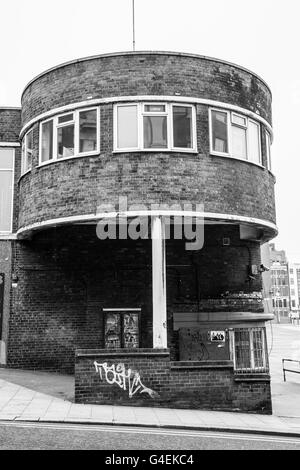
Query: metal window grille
pixel 249 350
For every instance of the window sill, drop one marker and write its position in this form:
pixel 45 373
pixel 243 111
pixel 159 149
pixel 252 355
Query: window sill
pixel 202 365
pixel 193 151
pixel 238 159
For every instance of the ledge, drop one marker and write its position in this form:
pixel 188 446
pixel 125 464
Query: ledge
pixel 122 352
pixel 254 377
pixel 201 365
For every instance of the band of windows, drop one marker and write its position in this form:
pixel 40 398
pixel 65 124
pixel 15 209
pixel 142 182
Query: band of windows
pixel 147 127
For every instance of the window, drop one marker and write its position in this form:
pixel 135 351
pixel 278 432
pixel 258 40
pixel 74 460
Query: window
pixel 27 145
pixel 154 126
pixel 6 188
pixel 70 135
pixel 249 346
pixel 234 135
pixel 268 149
pixel 65 136
pixel 293 303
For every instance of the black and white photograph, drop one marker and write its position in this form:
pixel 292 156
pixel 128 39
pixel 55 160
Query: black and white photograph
pixel 149 228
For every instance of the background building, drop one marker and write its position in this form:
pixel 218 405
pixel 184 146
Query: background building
pixel 294 284
pixel 280 284
pixel 164 325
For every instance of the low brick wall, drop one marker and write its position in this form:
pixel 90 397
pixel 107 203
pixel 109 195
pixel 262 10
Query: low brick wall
pixel 147 377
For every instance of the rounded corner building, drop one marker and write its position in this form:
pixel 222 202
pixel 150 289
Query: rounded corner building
pixel 137 194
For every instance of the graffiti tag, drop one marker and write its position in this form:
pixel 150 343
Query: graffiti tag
pixel 126 379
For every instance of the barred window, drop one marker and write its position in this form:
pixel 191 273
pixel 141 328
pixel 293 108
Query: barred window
pixel 249 350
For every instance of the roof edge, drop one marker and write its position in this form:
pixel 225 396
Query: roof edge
pixel 132 53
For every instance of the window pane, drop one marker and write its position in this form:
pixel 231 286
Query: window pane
pixel 127 136
pixel 268 145
pixel 65 118
pixel 28 151
pixel 29 140
pixel 155 132
pixel 254 150
pixel 182 126
pixel 6 179
pixel 242 349
pixel 240 120
pixel 88 131
pixel 65 141
pixel 258 348
pixel 47 141
pixel 6 159
pixel 219 131
pixel 155 108
pixel 239 142
pixel 113 330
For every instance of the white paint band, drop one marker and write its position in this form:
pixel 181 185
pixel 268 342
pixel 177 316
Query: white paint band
pixel 227 218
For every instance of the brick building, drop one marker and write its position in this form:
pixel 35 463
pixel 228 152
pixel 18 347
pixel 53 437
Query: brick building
pixel 280 289
pixel 143 146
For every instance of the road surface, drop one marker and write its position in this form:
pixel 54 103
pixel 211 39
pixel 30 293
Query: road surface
pixel 44 436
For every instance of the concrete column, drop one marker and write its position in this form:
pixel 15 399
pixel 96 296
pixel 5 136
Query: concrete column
pixel 159 297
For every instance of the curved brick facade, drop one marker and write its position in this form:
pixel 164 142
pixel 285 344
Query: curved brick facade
pixel 224 186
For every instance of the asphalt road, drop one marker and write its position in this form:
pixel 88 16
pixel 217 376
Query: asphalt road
pixel 38 436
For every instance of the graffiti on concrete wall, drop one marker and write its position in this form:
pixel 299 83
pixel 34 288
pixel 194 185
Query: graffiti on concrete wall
pixel 128 380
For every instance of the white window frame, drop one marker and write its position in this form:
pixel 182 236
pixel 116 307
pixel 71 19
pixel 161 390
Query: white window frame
pixel 24 161
pixel 2 232
pixel 268 140
pixel 230 123
pixel 252 368
pixel 75 122
pixel 140 129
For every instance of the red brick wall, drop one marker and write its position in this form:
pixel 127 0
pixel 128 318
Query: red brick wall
pixel 10 124
pixel 67 276
pixel 146 74
pixel 175 385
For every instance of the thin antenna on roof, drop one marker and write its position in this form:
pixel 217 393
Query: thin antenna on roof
pixel 133 27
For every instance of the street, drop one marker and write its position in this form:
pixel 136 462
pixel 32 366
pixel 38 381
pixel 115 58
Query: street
pixel 38 436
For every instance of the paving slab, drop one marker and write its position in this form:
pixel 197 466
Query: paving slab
pixel 78 411
pixel 123 414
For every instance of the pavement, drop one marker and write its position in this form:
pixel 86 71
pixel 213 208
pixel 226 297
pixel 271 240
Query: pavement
pixel 47 397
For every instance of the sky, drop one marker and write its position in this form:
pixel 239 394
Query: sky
pixel 261 35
